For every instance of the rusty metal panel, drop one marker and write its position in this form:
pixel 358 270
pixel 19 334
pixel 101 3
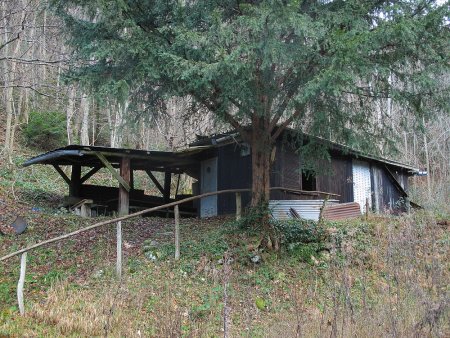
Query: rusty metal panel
pixel 342 211
pixel 307 209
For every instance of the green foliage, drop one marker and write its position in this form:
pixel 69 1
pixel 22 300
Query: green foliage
pixel 330 62
pixel 260 303
pixel 45 130
pixel 299 231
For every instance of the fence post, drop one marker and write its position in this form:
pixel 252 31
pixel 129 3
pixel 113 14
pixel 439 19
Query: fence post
pixel 238 206
pixel 367 208
pixel 119 250
pixel 23 267
pixel 177 232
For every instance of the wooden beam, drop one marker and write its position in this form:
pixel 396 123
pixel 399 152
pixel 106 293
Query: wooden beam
pixel 124 193
pixel 75 181
pixel 62 173
pixel 108 166
pixel 167 184
pixel 89 174
pixel 155 181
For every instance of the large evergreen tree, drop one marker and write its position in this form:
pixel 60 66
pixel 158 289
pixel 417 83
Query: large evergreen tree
pixel 318 65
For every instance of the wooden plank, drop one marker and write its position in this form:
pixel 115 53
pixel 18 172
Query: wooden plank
pixel 155 181
pixel 113 172
pixel 124 193
pixel 89 174
pixel 23 267
pixel 62 174
pixel 177 232
pixel 119 250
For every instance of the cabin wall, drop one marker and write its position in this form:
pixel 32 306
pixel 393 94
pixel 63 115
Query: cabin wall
pixel 234 172
pixel 337 178
pixel 386 195
pixel 285 173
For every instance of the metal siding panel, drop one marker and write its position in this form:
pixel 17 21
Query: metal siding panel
pixel 307 209
pixel 362 188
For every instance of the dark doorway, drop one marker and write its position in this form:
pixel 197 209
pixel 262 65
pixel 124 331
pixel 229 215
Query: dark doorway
pixel 308 180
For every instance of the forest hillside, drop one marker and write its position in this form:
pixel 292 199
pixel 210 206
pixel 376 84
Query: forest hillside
pixel 371 76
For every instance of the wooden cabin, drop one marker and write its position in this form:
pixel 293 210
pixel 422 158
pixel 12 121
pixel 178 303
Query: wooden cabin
pixel 349 176
pixel 223 162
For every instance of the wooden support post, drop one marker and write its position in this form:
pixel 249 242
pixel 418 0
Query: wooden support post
pixel 131 178
pixel 124 194
pixel 177 232
pixel 367 208
pixel 322 209
pixel 167 183
pixel 238 206
pixel 75 181
pixel 23 267
pixel 119 250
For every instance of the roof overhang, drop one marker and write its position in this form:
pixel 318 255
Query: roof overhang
pixel 87 156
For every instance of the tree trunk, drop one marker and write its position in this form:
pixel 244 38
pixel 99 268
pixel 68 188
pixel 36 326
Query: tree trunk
pixel 262 146
pixel 70 113
pixel 261 151
pixel 84 137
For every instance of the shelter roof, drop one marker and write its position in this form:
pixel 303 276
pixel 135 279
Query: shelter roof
pixel 140 159
pixel 234 137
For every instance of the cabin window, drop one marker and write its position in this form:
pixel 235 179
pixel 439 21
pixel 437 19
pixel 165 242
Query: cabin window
pixel 308 180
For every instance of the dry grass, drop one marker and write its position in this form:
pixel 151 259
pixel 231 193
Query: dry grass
pixel 385 278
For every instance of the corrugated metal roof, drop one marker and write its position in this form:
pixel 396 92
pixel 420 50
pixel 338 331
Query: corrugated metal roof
pixel 307 209
pixel 140 159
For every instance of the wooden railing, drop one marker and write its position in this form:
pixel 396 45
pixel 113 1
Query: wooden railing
pixel 119 220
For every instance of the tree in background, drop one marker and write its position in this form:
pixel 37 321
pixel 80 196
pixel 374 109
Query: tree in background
pixel 322 67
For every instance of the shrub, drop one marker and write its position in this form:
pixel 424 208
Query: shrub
pixel 299 231
pixel 45 130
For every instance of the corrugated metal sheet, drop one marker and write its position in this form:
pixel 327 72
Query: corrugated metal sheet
pixel 342 211
pixel 307 209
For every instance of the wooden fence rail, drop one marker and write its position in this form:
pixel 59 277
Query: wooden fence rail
pixel 119 220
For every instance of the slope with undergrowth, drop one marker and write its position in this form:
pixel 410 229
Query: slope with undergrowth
pixel 387 276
